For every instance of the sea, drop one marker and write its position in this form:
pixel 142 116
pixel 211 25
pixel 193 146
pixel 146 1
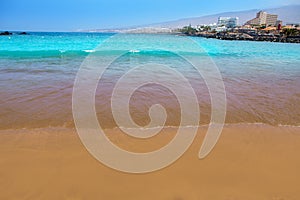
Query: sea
pixel 38 71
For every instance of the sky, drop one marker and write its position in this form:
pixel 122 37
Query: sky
pixel 72 15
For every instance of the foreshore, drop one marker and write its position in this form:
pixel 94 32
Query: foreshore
pixel 250 161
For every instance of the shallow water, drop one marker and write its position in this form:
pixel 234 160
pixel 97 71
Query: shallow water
pixel 37 74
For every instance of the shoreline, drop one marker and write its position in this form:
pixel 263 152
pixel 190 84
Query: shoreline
pixel 249 162
pixel 200 126
pixel 245 37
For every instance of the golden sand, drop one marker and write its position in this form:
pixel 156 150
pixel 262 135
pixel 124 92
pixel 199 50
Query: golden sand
pixel 249 162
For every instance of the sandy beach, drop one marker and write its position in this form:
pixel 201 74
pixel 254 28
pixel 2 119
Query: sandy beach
pixel 249 162
pixel 170 75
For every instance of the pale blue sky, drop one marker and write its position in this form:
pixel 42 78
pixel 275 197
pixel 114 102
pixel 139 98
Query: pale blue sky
pixel 70 15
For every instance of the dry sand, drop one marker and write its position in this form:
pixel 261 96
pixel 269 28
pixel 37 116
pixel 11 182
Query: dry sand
pixel 249 162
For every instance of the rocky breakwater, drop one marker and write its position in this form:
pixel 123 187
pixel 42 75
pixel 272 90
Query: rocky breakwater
pixel 251 37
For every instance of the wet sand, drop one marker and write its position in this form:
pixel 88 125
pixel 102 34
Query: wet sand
pixel 249 162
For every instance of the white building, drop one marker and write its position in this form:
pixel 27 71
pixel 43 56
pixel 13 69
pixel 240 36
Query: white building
pixel 228 22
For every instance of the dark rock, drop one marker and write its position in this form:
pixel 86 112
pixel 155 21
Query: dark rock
pixel 250 36
pixel 6 33
pixel 23 33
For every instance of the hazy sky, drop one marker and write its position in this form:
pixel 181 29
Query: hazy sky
pixel 69 15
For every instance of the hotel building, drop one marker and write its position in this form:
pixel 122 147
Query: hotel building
pixel 263 18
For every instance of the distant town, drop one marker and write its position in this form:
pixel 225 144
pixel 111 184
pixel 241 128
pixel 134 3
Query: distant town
pixel 264 27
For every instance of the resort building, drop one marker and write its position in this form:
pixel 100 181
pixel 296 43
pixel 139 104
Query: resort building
pixel 271 19
pixel 228 22
pixel 263 18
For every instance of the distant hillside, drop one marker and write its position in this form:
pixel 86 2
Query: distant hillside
pixel 289 14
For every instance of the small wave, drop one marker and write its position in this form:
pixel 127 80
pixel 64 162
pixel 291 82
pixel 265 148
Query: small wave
pixel 40 53
pixel 31 71
pixel 203 126
pixel 291 126
pixel 89 51
pixel 134 51
pixel 226 125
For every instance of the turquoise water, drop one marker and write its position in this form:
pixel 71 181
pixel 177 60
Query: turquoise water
pixel 37 73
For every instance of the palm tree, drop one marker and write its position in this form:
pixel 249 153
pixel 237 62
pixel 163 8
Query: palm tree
pixel 290 31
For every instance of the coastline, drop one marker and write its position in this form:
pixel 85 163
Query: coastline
pixel 250 161
pixel 247 37
pixel 199 100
